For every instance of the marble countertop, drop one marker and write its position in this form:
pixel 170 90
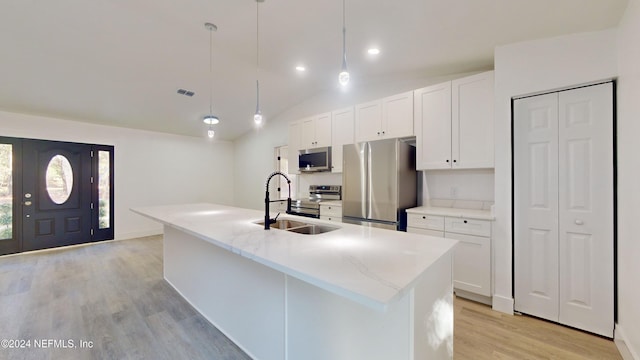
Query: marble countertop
pixel 453 212
pixel 371 266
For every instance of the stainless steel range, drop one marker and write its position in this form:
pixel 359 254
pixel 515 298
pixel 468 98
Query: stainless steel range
pixel 311 207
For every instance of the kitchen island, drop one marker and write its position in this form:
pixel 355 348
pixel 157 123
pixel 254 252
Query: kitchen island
pixel 352 293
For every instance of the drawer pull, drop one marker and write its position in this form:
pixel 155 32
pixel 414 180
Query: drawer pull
pixel 465 221
pixel 579 222
pixel 424 217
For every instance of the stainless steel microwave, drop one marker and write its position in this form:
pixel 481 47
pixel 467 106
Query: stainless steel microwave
pixel 319 159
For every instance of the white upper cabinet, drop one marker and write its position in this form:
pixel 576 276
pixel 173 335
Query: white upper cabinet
pixel 472 121
pixel 454 124
pixel 316 131
pixel 295 131
pixel 368 120
pixel 397 115
pixel 433 126
pixel 342 132
pixel 391 117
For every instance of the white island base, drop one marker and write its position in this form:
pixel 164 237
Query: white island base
pixel 274 316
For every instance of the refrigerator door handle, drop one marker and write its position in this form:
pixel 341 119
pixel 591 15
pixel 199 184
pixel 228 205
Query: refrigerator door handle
pixel 364 180
pixel 369 178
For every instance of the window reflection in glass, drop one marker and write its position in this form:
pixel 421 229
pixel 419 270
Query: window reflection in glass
pixel 6 191
pixel 59 179
pixel 104 206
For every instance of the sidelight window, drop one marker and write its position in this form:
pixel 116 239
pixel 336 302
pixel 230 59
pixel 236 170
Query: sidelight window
pixel 104 189
pixel 6 191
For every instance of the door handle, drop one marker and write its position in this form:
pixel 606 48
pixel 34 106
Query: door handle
pixel 579 222
pixel 27 203
pixel 27 196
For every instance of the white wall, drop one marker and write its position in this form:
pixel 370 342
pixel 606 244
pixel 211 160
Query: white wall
pixel 150 168
pixel 527 68
pixel 628 178
pixel 254 151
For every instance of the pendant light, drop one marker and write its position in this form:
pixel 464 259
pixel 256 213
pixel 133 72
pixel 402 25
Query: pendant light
pixel 257 117
pixel 211 119
pixel 343 77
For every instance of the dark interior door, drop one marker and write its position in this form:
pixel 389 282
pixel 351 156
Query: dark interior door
pixel 56 194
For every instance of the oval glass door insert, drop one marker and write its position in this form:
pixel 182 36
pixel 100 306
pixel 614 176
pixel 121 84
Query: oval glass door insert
pixel 59 179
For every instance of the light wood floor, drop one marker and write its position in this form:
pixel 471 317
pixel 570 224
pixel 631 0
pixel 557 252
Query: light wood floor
pixel 113 294
pixel 481 333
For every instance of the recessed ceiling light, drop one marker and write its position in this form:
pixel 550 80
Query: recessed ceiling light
pixel 301 68
pixel 373 51
pixel 210 120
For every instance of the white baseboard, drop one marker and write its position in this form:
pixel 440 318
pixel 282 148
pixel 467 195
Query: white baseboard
pixel 625 348
pixel 138 234
pixel 473 297
pixel 502 304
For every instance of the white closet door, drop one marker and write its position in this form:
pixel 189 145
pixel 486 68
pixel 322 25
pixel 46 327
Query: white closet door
pixel 536 205
pixel 586 208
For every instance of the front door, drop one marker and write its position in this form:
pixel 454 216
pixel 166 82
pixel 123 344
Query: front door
pixel 56 194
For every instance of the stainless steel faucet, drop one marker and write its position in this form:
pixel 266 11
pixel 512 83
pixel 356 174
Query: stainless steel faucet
pixel 268 221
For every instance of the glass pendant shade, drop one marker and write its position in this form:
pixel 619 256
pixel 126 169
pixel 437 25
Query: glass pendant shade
pixel 257 117
pixel 343 77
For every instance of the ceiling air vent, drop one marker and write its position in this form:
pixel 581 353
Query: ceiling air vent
pixel 186 92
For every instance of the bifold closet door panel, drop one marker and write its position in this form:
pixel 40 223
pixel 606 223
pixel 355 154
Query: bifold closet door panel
pixel 586 208
pixel 536 205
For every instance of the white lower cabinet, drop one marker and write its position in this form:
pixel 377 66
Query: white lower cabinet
pixel 430 232
pixel 331 212
pixel 472 255
pixel 472 263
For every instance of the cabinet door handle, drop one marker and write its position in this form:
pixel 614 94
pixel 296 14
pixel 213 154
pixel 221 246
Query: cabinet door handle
pixel 579 222
pixel 455 160
pixel 447 160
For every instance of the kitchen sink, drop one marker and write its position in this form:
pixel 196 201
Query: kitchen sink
pixel 299 227
pixel 313 229
pixel 283 224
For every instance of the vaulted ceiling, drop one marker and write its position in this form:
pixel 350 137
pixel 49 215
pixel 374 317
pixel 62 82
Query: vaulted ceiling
pixel 120 62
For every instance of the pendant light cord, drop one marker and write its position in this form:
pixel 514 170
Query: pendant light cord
pixel 344 34
pixel 257 56
pixel 211 72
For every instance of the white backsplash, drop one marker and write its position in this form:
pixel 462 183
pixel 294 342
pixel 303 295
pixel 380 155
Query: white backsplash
pixel 469 189
pixel 461 204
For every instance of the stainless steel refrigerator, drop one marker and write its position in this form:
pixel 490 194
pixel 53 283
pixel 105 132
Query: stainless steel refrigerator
pixel 378 183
